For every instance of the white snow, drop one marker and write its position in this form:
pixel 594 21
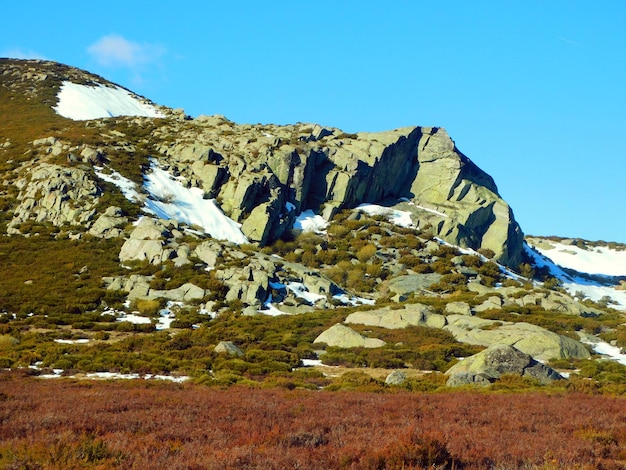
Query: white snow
pixel 308 221
pixel 71 341
pixel 595 260
pixel 591 289
pixel 399 218
pixel 134 319
pixel 126 186
pixel 354 301
pixel 613 352
pixel 169 199
pixel 82 102
pixel 311 362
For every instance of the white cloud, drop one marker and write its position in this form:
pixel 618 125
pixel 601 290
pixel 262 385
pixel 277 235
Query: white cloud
pixel 17 53
pixel 116 51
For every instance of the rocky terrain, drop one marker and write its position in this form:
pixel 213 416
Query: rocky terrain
pixel 210 224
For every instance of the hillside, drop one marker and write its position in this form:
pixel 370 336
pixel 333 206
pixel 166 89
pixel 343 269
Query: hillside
pixel 140 242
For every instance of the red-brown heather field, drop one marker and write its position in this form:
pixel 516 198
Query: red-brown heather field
pixel 70 424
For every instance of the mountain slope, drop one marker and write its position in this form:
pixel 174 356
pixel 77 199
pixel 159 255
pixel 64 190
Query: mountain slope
pixel 126 217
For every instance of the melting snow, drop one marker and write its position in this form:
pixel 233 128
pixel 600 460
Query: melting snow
pixel 308 221
pixel 82 102
pixel 126 186
pixel 613 352
pixel 171 200
pixel 593 290
pixel 400 218
pixel 595 260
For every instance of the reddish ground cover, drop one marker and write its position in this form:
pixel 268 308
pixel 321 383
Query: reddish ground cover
pixel 68 424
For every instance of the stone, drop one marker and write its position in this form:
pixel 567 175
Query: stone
pixel 229 348
pixel 396 377
pixel 404 285
pixel 489 365
pixel 534 340
pixel 410 315
pixel 459 308
pixel 342 336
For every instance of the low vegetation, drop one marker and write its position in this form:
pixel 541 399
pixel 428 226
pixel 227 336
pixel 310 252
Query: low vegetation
pixel 71 425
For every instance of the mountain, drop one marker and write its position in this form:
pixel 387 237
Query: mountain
pixel 124 216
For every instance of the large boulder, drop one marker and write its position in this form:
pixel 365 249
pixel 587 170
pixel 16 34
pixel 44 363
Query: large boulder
pixel 409 315
pixel 489 365
pixel 342 336
pixel 531 339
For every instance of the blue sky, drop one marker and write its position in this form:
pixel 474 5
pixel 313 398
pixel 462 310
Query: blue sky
pixel 532 91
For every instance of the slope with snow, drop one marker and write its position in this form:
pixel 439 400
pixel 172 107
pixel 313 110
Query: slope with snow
pixel 594 260
pixel 592 289
pixel 169 199
pixel 82 102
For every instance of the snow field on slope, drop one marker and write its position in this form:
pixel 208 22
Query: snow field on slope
pixel 82 102
pixel 169 199
pixel 596 260
pixel 172 200
pixel 591 289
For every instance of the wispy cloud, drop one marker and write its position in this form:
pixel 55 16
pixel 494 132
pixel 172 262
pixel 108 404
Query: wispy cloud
pixel 117 51
pixel 18 53
pixel 569 41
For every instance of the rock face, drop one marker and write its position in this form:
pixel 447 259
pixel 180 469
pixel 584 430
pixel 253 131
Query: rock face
pixel 488 365
pixel 258 173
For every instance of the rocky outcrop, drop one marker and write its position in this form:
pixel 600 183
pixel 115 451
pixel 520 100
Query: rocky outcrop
pixel 256 172
pixel 342 336
pixel 490 364
pixel 55 194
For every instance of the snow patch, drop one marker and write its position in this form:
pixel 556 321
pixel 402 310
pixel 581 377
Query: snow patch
pixel 595 260
pixel 82 102
pixel 169 199
pixel 399 218
pixel 308 221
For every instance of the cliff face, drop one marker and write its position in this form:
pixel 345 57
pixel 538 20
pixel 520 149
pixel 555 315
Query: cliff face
pixel 257 173
pixel 262 176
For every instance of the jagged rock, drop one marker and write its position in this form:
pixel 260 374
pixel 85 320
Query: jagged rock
pixel 489 365
pixel 493 302
pixel 410 315
pixel 341 336
pixel 229 348
pixel 558 302
pixel 208 252
pixel 538 342
pixel 397 377
pixel 250 283
pixel 185 293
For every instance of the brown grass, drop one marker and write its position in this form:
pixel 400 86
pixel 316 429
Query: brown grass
pixel 73 424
